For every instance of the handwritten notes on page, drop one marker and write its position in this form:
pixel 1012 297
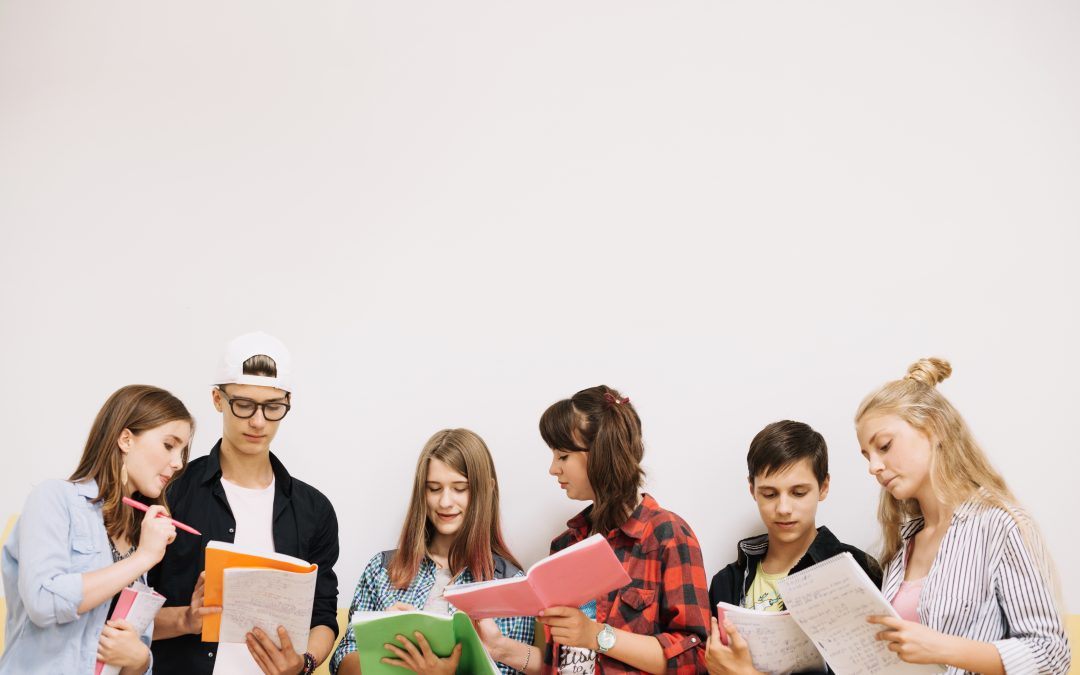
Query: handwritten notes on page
pixel 777 645
pixel 265 598
pixel 830 601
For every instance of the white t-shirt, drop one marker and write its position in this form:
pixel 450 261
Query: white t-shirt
pixel 576 661
pixel 254 513
pixel 435 600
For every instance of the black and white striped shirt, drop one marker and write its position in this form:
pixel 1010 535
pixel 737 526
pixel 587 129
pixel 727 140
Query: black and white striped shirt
pixel 985 585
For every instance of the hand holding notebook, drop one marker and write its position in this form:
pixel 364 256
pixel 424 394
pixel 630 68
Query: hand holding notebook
pixel 138 605
pixel 830 601
pixel 442 633
pixel 569 578
pixel 257 590
pixel 777 645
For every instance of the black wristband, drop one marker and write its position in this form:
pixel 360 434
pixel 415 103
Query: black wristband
pixel 309 664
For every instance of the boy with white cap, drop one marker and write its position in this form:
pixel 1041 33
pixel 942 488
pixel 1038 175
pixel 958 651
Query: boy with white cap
pixel 242 493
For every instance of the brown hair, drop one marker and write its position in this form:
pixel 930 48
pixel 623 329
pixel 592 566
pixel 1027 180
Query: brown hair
pixel 783 443
pixel 261 365
pixel 599 421
pixel 480 537
pixel 137 408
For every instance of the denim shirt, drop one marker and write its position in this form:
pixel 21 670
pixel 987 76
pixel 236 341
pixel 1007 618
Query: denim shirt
pixel 59 537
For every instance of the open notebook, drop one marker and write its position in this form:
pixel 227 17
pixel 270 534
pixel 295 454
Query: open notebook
pixel 257 589
pixel 569 578
pixel 830 602
pixel 375 629
pixel 777 645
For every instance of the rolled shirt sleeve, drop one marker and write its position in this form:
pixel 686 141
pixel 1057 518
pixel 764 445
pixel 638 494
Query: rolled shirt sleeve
pixel 1037 642
pixel 48 540
pixel 684 601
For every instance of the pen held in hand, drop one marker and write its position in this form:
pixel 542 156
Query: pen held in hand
pixel 143 507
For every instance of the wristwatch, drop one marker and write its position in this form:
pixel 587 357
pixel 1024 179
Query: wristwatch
pixel 309 664
pixel 605 639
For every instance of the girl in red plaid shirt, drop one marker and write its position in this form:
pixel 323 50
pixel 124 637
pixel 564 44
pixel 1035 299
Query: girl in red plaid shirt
pixel 657 622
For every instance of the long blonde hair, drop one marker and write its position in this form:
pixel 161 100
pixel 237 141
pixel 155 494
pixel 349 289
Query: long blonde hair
pixel 959 469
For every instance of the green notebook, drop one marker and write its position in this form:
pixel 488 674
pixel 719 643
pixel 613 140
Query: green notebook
pixel 375 629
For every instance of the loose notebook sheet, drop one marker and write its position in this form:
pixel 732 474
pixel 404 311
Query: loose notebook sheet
pixel 830 601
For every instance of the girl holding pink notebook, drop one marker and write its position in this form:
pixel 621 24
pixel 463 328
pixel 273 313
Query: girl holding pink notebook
pixel 76 546
pixel 657 622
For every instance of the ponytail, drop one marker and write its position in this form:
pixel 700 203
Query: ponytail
pixel 603 423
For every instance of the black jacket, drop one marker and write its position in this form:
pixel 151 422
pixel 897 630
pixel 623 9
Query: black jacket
pixel 305 526
pixel 731 584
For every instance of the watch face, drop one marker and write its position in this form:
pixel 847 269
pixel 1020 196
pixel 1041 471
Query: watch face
pixel 606 638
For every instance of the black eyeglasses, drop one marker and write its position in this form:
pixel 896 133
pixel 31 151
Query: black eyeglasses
pixel 245 408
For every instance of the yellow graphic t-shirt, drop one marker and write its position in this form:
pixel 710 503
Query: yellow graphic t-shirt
pixel 763 594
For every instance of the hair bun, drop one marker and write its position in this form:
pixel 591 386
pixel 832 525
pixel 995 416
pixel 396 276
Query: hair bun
pixel 930 371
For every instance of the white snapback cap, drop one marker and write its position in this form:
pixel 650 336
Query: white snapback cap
pixel 231 368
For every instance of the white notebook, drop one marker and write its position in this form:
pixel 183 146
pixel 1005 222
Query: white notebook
pixel 830 601
pixel 777 645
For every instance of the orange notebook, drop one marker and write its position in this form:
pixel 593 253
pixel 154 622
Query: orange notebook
pixel 290 581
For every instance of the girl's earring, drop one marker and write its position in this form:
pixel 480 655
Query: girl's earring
pixel 123 474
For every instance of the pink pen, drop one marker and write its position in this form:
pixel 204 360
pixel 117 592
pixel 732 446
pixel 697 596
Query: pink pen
pixel 143 507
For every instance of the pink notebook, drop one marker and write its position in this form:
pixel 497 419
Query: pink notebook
pixel 569 578
pixel 138 605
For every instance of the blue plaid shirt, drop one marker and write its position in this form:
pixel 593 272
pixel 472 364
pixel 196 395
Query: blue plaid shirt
pixel 375 593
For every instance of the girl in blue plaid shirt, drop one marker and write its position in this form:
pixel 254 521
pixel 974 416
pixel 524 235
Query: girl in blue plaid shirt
pixel 451 535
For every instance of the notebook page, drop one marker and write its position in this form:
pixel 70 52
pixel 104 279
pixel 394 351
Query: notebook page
pixel 830 601
pixel 266 599
pixel 777 645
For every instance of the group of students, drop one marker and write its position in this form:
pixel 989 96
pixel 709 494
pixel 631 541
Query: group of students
pixel 964 566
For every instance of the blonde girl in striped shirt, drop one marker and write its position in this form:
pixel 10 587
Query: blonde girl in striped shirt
pixel 964 565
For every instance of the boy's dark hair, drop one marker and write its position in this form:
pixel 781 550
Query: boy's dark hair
pixel 783 443
pixel 260 364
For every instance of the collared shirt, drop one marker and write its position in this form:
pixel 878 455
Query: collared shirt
pixel 375 593
pixel 59 537
pixel 666 597
pixel 985 585
pixel 304 526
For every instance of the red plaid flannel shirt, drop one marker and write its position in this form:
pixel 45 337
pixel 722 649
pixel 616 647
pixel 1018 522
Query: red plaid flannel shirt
pixel 667 596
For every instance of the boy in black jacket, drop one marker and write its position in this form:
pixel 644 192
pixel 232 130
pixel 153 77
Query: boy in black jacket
pixel 788 466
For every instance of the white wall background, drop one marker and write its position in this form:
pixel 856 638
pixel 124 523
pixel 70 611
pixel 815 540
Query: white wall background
pixel 457 213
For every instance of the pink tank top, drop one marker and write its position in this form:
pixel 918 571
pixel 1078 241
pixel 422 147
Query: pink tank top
pixel 906 601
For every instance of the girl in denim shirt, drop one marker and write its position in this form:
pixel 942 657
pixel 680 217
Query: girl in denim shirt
pixel 76 546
